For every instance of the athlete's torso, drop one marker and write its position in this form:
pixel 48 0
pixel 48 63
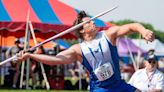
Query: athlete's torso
pixel 100 58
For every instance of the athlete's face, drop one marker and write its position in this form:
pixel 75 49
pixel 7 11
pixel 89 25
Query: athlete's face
pixel 88 27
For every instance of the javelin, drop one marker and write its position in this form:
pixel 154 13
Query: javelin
pixel 62 33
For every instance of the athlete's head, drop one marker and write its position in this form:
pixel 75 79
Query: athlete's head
pixel 88 27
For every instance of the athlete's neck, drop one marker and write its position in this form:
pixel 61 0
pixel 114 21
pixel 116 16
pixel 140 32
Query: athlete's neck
pixel 89 37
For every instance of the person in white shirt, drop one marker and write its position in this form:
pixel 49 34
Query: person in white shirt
pixel 149 79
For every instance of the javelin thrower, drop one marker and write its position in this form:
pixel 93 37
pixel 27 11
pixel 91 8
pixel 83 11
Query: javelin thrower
pixel 97 52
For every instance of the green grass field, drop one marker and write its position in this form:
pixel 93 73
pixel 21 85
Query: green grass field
pixel 5 90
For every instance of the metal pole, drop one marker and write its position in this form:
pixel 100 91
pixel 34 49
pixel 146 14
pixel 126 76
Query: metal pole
pixel 27 63
pixel 25 48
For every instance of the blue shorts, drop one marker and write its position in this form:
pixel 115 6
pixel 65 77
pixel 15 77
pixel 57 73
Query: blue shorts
pixel 122 86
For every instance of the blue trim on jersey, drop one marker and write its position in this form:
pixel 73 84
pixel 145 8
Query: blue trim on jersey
pixel 101 50
pixel 86 64
pixel 92 53
pixel 115 58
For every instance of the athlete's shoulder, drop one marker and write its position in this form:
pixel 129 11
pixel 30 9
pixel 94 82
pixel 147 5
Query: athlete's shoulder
pixel 77 50
pixel 75 46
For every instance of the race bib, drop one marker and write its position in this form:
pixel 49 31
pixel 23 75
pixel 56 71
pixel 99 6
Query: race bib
pixel 104 72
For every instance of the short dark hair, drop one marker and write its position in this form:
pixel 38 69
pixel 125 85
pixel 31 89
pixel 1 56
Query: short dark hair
pixel 78 20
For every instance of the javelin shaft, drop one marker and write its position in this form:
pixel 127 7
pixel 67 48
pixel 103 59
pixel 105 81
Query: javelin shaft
pixel 63 33
pixel 72 28
pixel 7 60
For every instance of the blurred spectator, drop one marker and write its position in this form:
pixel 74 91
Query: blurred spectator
pixel 56 72
pixel 149 79
pixel 35 68
pixel 15 65
pixel 74 70
pixel 79 75
pixel 126 70
pixel 161 64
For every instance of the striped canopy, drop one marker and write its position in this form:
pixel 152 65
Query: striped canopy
pixel 45 15
pixel 48 16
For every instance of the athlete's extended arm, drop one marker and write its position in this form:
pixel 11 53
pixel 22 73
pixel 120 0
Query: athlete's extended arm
pixel 118 31
pixel 64 57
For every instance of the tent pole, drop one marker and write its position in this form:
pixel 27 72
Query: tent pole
pixel 80 73
pixel 1 70
pixel 138 55
pixel 23 63
pixel 27 62
pixel 42 67
pixel 25 48
pixel 131 55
